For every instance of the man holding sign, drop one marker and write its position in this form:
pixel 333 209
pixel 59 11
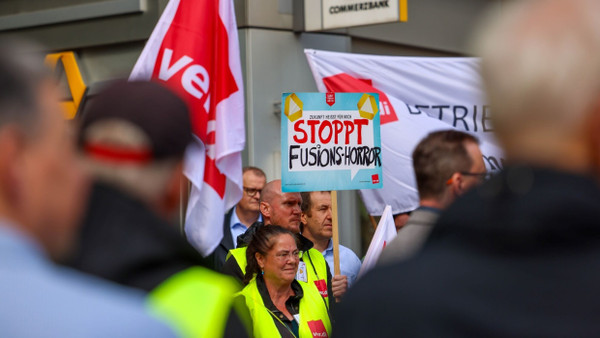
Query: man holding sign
pixel 317 226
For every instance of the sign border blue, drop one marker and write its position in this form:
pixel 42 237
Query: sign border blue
pixel 322 180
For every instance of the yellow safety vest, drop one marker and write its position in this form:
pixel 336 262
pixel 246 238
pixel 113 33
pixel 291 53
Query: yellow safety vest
pixel 196 301
pixel 316 268
pixel 314 318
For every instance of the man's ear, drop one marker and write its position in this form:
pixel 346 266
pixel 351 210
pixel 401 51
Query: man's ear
pixel 11 146
pixel 265 209
pixel 456 182
pixel 303 218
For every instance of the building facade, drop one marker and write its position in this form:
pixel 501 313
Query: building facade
pixel 107 37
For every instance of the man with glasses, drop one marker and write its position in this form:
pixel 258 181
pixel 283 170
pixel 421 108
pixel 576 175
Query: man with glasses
pixel 446 163
pixel 242 216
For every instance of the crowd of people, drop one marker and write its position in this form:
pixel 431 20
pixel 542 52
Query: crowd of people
pixel 89 245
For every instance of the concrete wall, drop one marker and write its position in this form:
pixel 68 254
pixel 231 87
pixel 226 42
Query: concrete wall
pixel 439 25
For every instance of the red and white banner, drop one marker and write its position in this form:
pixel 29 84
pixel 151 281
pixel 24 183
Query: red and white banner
pixel 417 95
pixel 384 234
pixel 194 49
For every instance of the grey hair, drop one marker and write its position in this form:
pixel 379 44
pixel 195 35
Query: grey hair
pixel 22 71
pixel 540 64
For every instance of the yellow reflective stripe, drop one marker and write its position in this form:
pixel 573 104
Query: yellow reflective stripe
pixel 262 321
pixel 312 308
pixel 240 257
pixel 196 301
pixel 315 262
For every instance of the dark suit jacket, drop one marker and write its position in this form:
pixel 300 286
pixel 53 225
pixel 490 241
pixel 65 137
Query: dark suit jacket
pixel 411 237
pixel 217 258
pixel 518 256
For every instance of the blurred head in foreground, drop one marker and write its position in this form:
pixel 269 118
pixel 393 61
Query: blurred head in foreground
pixel 133 136
pixel 540 68
pixel 42 186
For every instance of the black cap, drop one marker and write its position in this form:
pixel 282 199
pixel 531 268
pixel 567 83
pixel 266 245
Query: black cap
pixel 156 110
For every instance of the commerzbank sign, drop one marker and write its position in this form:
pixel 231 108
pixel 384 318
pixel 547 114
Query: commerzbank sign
pixel 330 14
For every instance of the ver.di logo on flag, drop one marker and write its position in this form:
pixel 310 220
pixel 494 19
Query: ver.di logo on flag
pixel 194 50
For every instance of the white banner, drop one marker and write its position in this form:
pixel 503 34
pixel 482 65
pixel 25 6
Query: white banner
pixel 417 95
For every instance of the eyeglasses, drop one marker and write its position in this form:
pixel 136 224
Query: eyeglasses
pixel 481 176
pixel 284 256
pixel 252 191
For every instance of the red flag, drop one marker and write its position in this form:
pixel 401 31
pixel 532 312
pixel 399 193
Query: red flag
pixel 194 49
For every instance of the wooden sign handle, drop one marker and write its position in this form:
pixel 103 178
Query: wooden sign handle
pixel 336 237
pixel 373 222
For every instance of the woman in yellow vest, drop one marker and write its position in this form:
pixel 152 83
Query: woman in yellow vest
pixel 280 306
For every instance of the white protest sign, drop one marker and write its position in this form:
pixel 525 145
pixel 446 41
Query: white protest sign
pixel 330 141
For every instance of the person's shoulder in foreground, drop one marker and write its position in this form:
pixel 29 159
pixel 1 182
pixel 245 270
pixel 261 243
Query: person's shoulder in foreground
pixel 411 236
pixel 41 299
pixel 507 259
pixel 519 256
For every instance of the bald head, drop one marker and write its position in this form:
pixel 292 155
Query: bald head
pixel 537 57
pixel 280 208
pixel 271 190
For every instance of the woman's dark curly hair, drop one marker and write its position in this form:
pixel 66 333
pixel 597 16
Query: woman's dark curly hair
pixel 262 242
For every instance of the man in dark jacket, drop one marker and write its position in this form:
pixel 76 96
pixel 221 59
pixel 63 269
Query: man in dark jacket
pixel 520 255
pixel 440 155
pixel 242 216
pixel 133 137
